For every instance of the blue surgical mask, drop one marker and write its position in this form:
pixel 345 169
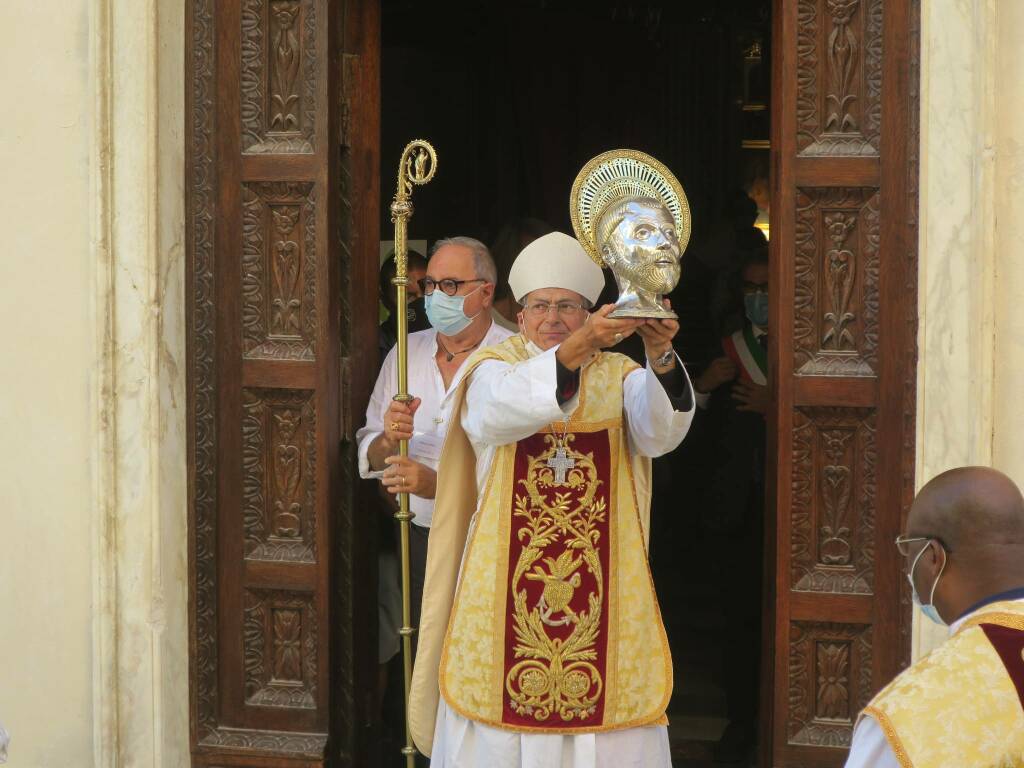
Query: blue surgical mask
pixel 445 312
pixel 756 306
pixel 928 609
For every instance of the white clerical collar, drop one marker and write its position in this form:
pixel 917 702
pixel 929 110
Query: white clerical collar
pixel 532 349
pixel 955 626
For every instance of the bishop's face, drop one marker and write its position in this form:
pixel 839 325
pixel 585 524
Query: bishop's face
pixel 644 248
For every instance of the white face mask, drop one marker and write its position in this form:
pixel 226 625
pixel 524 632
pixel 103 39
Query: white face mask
pixel 532 349
pixel 928 609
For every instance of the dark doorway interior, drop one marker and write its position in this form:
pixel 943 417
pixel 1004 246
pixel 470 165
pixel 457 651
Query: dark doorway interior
pixel 516 98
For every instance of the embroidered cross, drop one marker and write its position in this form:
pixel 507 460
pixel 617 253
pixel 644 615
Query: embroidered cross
pixel 561 464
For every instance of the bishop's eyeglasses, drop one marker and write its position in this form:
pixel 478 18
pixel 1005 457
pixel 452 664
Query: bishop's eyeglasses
pixel 562 308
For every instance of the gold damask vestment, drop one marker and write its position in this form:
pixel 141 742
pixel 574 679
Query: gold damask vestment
pixel 963 704
pixel 554 627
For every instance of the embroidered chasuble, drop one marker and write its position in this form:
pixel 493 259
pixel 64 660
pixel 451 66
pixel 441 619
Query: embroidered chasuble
pixel 554 626
pixel 963 704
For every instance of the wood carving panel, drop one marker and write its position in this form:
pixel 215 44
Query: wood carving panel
pixel 839 77
pixel 278 474
pixel 829 681
pixel 278 77
pixel 202 368
pixel 833 512
pixel 280 645
pixel 835 329
pixel 279 270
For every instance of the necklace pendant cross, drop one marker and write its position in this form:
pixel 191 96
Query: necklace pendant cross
pixel 561 463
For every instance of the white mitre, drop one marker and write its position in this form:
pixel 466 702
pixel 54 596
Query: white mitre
pixel 555 261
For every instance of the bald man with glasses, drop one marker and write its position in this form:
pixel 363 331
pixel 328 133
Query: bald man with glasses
pixel 963 704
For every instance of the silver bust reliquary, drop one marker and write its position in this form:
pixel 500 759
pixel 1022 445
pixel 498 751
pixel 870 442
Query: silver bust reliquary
pixel 631 215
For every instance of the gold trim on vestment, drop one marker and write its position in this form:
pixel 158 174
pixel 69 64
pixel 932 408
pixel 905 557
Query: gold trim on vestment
pixel 895 744
pixel 574 426
pixel 501 576
pixel 1003 619
pixel 659 718
pixel 611 655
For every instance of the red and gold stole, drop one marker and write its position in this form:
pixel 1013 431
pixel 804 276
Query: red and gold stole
pixel 555 626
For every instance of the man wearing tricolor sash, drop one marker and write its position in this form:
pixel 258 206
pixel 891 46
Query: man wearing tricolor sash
pixel 963 704
pixel 541 640
pixel 744 352
pixel 733 396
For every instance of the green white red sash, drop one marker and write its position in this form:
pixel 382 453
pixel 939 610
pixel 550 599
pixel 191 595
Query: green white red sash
pixel 744 350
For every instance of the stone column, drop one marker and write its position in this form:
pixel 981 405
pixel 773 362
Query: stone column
pixel 957 259
pixel 1008 437
pixel 140 673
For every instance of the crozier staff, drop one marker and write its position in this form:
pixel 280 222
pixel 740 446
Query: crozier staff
pixel 553 643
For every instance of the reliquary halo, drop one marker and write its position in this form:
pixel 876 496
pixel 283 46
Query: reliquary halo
pixel 620 173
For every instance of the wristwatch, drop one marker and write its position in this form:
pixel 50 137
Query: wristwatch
pixel 665 359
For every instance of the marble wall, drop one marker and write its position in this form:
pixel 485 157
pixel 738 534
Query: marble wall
pixel 1008 200
pixel 48 348
pixel 971 342
pixel 93 558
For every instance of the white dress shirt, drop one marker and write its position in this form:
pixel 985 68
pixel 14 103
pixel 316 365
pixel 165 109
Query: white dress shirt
pixel 869 747
pixel 430 422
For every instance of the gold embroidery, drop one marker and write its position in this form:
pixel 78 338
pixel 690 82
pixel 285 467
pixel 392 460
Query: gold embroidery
pixel 555 675
pixel 895 743
pixel 1002 618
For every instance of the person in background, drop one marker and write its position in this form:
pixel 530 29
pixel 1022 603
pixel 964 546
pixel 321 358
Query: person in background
pixel 733 393
pixel 387 335
pixel 962 704
pixel 389 593
pixel 511 240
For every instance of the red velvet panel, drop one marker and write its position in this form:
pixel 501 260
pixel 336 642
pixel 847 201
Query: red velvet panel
pixel 1009 644
pixel 585 669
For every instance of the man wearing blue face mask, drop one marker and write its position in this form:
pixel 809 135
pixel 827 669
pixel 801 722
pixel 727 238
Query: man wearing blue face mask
pixel 458 289
pixel 963 704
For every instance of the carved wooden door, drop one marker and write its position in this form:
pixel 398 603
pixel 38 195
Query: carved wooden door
pixel 843 349
pixel 282 210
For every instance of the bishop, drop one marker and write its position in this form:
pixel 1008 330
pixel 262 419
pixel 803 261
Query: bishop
pixel 540 635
